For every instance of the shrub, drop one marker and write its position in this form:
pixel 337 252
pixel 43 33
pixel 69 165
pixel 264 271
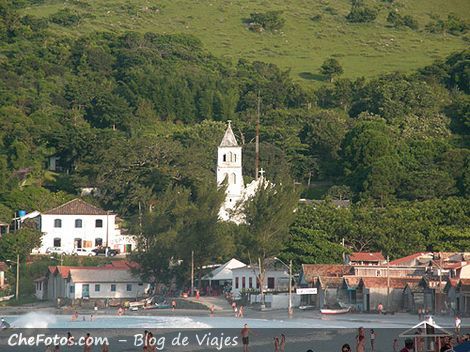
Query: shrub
pixel 402 21
pixel 269 21
pixel 452 25
pixel 316 18
pixel 65 17
pixel 361 14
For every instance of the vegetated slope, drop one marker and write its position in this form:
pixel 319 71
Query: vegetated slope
pixel 313 30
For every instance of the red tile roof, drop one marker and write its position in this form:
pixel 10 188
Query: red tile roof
pixel 76 207
pixel 366 257
pixel 395 282
pixel 404 260
pixel 331 282
pixel 352 281
pixel 312 271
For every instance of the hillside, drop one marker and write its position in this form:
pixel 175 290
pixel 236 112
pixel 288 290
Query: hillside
pixel 313 31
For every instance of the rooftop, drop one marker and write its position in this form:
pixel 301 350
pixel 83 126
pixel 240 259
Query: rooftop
pixel 311 271
pixel 407 259
pixel 366 257
pixel 229 139
pixel 76 207
pixel 395 282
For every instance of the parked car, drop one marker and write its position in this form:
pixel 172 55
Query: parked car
pixel 102 251
pixel 56 250
pixel 82 252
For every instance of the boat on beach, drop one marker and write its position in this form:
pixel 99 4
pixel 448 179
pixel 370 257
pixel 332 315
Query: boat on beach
pixel 335 311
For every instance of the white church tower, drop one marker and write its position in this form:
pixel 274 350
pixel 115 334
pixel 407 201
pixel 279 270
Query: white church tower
pixel 229 167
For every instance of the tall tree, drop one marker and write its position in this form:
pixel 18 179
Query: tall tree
pixel 267 215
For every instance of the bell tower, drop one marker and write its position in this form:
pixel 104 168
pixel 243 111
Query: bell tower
pixel 229 167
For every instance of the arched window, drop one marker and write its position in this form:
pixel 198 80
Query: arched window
pixel 234 178
pixel 234 158
pixel 57 223
pixel 78 223
pixel 57 242
pixel 224 158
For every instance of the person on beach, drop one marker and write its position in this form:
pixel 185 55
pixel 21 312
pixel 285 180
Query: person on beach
pixel 75 316
pixel 245 333
pixel 458 323
pixel 212 309
pixel 372 340
pixel 70 339
pixel 361 340
pixel 276 344
pixel 282 344
pixel 146 340
pixel 346 348
pixel 395 345
pixel 105 347
pixel 173 305
pixel 88 343
pixel 409 346
pixel 241 311
pixel 380 308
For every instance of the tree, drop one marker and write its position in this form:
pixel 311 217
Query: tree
pixel 156 233
pixel 308 246
pixel 331 68
pixel 200 233
pixel 269 21
pixel 267 215
pixel 21 243
pixel 361 14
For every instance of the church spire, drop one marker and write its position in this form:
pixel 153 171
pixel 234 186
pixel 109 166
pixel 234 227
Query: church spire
pixel 229 139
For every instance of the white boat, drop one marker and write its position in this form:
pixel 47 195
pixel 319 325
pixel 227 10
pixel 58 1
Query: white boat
pixel 335 311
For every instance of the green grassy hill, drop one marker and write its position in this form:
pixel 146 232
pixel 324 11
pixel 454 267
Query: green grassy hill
pixel 302 45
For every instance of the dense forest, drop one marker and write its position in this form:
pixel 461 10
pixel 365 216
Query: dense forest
pixel 136 114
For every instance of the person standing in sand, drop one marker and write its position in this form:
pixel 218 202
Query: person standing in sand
pixel 245 337
pixel 361 340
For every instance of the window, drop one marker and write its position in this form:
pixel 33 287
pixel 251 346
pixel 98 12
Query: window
pixel 98 223
pixel 234 157
pixel 72 289
pixel 129 287
pixel 57 242
pixel 257 283
pixel 224 158
pixel 97 288
pixel 270 282
pixel 250 282
pixel 377 273
pixel 243 282
pixel 113 288
pixel 230 156
pixel 236 282
pixel 234 179
pixel 57 223
pixel 78 223
pixel 98 242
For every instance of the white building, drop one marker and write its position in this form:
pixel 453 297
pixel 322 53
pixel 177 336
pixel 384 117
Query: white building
pixel 229 169
pixel 111 281
pixel 78 224
pixel 245 279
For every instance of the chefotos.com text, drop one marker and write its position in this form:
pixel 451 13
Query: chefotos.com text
pixel 55 340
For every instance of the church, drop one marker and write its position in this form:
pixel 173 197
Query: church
pixel 229 167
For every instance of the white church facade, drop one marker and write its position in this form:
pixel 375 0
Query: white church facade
pixel 229 169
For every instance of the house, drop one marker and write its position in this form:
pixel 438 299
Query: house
pixel 413 296
pixel 111 281
pixel 347 292
pixel 327 278
pixel 245 278
pixel 78 224
pixel 365 258
pixel 463 297
pixel 392 271
pixel 375 290
pixel 222 276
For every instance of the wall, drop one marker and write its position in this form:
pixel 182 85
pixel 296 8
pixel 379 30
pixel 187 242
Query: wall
pixel 277 301
pixel 68 232
pixel 105 290
pixel 379 295
pixel 381 271
pixel 281 280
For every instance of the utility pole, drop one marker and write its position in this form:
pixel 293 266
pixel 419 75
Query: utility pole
pixel 388 283
pixel 192 273
pixel 17 277
pixel 290 288
pixel 257 137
